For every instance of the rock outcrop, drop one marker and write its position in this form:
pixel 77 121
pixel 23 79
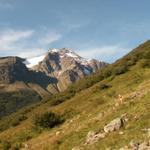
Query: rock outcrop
pixel 66 66
pixel 114 125
pixel 15 74
pixel 137 146
pixel 55 71
pixel 12 69
pixel 93 137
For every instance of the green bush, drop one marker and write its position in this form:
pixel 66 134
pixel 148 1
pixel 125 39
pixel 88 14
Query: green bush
pixel 13 101
pixel 24 136
pixel 16 121
pixel 47 120
pixel 107 72
pixel 103 86
pixel 146 55
pixel 144 63
pixel 69 113
pixel 6 145
pixel 132 60
pixel 17 146
pixel 119 70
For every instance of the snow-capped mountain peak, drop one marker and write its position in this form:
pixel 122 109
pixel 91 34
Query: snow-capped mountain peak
pixel 31 62
pixel 69 53
pixel 63 64
pixel 53 50
pixel 60 60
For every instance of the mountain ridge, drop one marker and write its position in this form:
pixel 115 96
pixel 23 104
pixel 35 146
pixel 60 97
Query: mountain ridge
pixel 47 77
pixel 59 63
pixel 107 110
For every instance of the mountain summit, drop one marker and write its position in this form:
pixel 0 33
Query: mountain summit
pixel 109 109
pixel 64 65
pixel 26 81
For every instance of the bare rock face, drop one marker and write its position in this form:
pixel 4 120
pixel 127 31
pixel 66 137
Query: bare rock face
pixel 55 71
pixel 144 146
pixel 93 137
pixel 96 65
pixel 66 78
pixel 114 125
pixel 11 69
pixel 49 64
pixel 137 146
pixel 19 86
pixel 66 66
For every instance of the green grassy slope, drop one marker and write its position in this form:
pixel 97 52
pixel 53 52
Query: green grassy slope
pixel 12 101
pixel 89 105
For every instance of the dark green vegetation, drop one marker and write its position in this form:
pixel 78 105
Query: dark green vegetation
pixel 82 105
pixel 12 101
pixel 47 120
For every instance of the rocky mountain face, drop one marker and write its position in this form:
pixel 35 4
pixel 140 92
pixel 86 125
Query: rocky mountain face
pixel 26 81
pixel 66 66
pixel 108 110
pixel 19 86
pixel 12 69
pixel 53 71
pixel 15 74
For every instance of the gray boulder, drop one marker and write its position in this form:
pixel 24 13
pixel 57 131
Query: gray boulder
pixel 144 146
pixel 93 137
pixel 114 125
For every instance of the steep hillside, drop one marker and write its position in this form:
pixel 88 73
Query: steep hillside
pixel 24 82
pixel 19 87
pixel 64 65
pixel 108 110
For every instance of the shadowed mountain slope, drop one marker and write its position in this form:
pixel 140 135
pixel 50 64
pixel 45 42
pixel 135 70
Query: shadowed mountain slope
pixel 107 110
pixel 23 83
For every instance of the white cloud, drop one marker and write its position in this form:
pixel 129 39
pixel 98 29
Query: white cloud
pixel 26 43
pixel 93 52
pixel 50 38
pixel 104 52
pixel 31 52
pixel 10 38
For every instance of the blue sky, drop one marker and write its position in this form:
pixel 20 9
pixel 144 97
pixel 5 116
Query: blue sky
pixel 101 29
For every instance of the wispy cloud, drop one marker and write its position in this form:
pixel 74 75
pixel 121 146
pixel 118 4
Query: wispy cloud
pixel 50 38
pixel 10 38
pixel 104 52
pixel 31 52
pixel 26 43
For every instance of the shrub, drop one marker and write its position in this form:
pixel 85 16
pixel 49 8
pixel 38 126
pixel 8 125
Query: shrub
pixel 24 136
pixel 6 145
pixel 56 102
pixel 69 113
pixel 103 86
pixel 16 121
pixel 47 120
pixel 144 63
pixel 119 70
pixel 111 93
pixel 107 72
pixel 146 55
pixel 132 61
pixel 17 146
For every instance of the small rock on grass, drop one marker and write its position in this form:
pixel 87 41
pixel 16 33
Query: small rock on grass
pixel 114 125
